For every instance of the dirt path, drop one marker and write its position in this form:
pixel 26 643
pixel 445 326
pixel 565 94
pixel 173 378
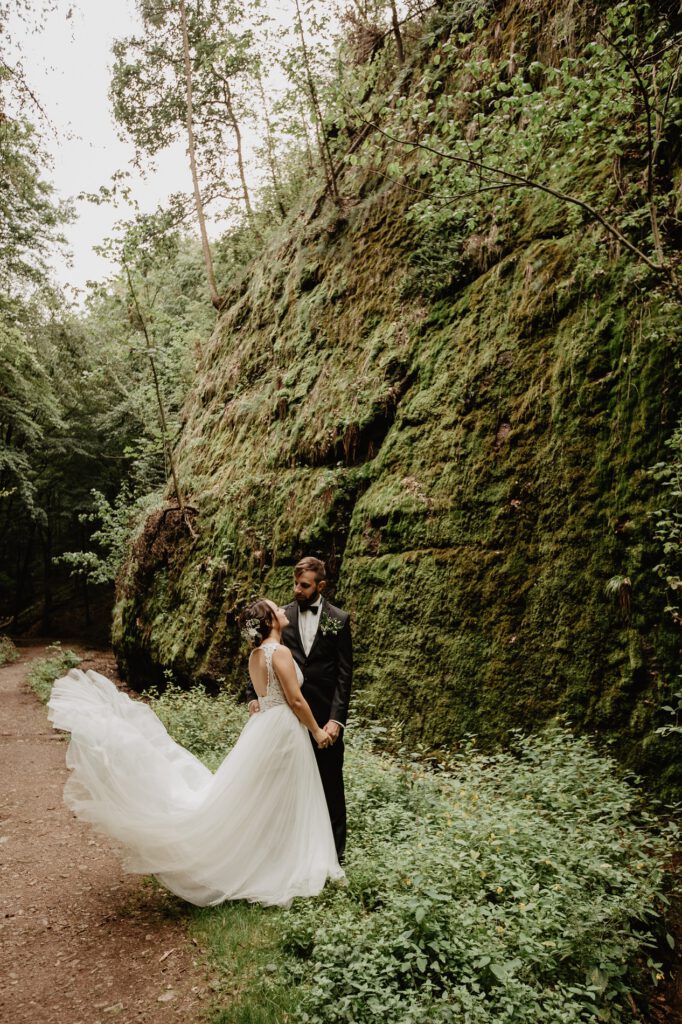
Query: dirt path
pixel 80 941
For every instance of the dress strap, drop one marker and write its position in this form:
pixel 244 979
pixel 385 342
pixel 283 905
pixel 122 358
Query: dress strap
pixel 274 695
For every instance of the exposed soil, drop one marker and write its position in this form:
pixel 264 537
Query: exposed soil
pixel 82 942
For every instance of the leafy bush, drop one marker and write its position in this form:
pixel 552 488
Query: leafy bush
pixel 513 888
pixel 8 651
pixel 118 520
pixel 207 726
pixel 44 671
pixel 668 532
pixel 674 711
pixel 510 889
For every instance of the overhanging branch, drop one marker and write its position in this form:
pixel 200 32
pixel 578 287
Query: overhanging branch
pixel 513 179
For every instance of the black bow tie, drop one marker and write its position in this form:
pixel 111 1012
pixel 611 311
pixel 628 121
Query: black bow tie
pixel 314 608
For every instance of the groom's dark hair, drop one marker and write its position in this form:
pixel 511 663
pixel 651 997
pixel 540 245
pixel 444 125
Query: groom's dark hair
pixel 311 564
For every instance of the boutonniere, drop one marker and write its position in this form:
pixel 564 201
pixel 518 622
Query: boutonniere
pixel 330 625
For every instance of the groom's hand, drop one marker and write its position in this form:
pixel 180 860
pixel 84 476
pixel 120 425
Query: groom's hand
pixel 333 730
pixel 254 707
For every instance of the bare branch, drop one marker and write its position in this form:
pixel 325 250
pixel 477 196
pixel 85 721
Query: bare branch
pixel 521 181
pixel 157 388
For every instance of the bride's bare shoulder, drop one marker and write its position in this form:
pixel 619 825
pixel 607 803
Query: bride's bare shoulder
pixel 282 655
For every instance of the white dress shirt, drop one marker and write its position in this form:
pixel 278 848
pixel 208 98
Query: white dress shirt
pixel 308 625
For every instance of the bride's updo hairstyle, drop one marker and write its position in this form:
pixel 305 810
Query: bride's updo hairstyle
pixel 256 622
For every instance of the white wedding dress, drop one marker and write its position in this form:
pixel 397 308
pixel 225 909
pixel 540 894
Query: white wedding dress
pixel 258 829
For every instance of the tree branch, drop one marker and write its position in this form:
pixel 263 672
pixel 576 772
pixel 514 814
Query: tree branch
pixel 644 93
pixel 208 259
pixel 520 181
pixel 159 398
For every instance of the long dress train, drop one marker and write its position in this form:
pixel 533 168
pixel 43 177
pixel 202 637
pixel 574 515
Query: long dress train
pixel 258 829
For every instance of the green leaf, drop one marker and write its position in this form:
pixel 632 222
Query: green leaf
pixel 500 972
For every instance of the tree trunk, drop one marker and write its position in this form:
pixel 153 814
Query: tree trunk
pixel 322 140
pixel 86 602
pixel 395 25
pixel 157 387
pixel 22 574
pixel 191 150
pixel 9 513
pixel 308 145
pixel 270 148
pixel 227 94
pixel 46 547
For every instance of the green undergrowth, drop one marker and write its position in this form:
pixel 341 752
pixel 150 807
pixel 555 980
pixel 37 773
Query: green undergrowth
pixel 207 726
pixel 244 944
pixel 44 671
pixel 523 887
pixel 8 651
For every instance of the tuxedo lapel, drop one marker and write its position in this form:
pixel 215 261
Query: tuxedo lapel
pixel 292 635
pixel 293 621
pixel 295 625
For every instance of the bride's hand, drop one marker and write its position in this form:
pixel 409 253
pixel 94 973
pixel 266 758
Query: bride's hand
pixel 321 738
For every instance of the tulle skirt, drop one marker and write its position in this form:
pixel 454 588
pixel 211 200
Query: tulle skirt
pixel 258 829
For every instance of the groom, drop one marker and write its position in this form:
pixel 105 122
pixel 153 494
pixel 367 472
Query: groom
pixel 318 636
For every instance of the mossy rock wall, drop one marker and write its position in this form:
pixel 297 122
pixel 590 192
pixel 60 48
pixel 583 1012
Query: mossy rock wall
pixel 472 464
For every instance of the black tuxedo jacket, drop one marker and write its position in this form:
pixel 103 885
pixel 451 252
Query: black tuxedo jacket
pixel 328 669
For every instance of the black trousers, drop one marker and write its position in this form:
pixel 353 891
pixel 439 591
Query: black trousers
pixel 330 764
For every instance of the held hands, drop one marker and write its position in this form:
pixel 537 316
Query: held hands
pixel 322 738
pixel 333 731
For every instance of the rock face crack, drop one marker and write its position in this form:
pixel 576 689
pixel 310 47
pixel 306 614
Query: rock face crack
pixel 360 441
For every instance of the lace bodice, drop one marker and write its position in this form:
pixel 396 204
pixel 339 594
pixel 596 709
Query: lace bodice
pixel 273 695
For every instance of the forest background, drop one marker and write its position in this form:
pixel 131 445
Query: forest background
pixel 61 463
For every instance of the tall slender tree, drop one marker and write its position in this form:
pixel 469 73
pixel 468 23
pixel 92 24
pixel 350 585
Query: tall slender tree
pixel 316 107
pixel 180 79
pixel 397 35
pixel 270 146
pixel 192 154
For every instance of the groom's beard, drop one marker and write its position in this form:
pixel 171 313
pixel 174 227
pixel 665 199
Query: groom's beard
pixel 305 602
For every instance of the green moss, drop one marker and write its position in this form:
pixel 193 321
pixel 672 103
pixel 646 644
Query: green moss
pixel 471 460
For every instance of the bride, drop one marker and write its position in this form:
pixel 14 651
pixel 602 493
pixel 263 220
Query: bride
pixel 258 829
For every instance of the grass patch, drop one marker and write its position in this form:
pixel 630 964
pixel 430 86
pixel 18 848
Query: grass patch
pixel 502 889
pixel 44 671
pixel 8 651
pixel 244 946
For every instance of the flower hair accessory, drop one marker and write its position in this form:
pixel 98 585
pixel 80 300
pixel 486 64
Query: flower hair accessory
pixel 251 630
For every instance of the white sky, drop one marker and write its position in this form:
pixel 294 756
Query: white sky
pixel 67 61
pixel 68 64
